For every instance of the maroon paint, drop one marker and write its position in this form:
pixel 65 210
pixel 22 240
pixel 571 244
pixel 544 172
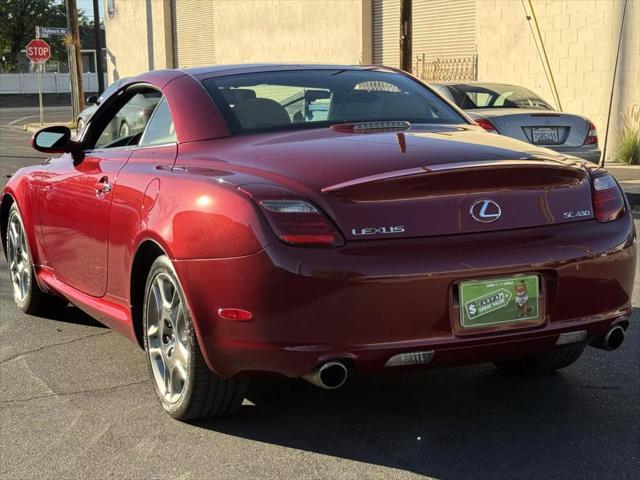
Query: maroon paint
pixel 363 302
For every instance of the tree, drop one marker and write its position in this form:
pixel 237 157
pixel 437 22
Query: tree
pixel 19 21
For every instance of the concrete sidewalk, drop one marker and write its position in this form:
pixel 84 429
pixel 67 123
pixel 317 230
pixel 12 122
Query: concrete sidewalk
pixel 629 178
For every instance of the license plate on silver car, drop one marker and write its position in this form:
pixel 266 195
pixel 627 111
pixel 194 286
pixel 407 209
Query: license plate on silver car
pixel 545 136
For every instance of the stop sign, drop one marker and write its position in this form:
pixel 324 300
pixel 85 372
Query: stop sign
pixel 38 51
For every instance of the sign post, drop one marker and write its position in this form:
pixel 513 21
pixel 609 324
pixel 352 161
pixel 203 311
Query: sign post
pixel 39 67
pixel 38 51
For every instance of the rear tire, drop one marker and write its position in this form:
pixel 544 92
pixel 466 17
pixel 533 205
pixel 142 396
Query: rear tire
pixel 186 388
pixel 26 292
pixel 550 362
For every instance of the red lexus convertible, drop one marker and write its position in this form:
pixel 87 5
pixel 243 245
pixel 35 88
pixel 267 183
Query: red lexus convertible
pixel 316 221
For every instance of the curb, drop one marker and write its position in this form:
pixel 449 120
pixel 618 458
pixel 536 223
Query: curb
pixel 34 127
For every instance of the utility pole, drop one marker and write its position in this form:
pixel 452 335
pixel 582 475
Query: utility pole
pixel 75 60
pixel 96 36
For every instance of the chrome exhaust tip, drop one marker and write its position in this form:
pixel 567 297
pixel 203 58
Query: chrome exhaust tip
pixel 612 340
pixel 330 375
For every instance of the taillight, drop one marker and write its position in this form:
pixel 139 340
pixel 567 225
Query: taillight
pixel 592 135
pixel 487 125
pixel 608 200
pixel 299 222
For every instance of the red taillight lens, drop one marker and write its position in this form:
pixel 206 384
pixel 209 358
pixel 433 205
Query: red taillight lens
pixel 592 135
pixel 299 222
pixel 608 200
pixel 487 125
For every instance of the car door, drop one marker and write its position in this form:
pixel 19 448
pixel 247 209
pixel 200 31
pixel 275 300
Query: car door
pixel 76 200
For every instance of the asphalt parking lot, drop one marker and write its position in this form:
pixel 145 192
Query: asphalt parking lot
pixel 76 402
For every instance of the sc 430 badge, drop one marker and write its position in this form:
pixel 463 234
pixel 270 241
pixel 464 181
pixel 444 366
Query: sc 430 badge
pixel 377 230
pixel 577 213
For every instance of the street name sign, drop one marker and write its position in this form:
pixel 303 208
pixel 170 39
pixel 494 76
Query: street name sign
pixel 46 32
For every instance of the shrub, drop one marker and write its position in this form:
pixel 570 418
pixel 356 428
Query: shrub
pixel 629 138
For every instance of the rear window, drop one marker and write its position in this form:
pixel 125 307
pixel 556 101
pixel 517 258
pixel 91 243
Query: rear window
pixel 496 96
pixel 284 100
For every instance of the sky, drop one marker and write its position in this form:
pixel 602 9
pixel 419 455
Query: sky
pixel 87 7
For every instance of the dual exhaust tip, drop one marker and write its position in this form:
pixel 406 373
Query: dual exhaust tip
pixel 332 375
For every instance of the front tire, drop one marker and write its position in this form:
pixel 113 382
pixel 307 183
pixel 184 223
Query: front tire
pixel 550 362
pixel 26 292
pixel 185 386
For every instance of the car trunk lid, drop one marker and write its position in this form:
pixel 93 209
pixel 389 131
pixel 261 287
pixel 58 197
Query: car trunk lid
pixel 422 182
pixel 445 199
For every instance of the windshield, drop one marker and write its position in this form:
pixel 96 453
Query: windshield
pixel 496 96
pixel 286 100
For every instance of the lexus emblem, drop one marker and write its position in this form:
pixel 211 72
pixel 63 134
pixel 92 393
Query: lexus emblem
pixel 485 211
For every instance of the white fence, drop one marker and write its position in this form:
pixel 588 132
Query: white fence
pixel 51 82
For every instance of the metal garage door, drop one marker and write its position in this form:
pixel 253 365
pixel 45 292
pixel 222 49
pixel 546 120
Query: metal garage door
pixel 193 33
pixel 386 32
pixel 443 28
pixel 444 39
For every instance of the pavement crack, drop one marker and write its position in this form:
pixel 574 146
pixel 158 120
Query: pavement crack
pixel 78 392
pixel 44 347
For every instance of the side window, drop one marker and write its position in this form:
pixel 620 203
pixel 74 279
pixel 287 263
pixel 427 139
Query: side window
pixel 126 127
pixel 160 128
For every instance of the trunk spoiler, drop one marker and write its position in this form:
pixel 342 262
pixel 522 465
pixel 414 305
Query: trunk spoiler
pixel 568 167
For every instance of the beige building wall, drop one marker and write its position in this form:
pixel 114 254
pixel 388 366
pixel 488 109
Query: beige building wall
pixel 138 37
pixel 581 37
pixel 325 31
pixel 243 31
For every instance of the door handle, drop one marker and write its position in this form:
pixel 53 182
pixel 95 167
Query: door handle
pixel 103 186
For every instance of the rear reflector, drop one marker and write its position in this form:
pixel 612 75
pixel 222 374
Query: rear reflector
pixel 299 222
pixel 592 135
pixel 235 314
pixel 413 358
pixel 487 125
pixel 571 337
pixel 608 200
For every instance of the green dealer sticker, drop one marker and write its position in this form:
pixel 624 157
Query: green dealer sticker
pixel 501 300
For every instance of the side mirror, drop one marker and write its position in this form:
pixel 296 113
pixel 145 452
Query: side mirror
pixel 93 99
pixel 56 139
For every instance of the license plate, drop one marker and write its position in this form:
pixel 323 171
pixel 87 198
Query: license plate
pixel 497 301
pixel 545 136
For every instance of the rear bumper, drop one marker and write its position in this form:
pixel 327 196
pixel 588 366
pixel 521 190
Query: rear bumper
pixel 371 300
pixel 590 153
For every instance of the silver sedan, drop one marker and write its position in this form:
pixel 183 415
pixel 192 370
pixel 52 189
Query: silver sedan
pixel 517 112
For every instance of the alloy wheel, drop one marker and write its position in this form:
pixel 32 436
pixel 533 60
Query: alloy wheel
pixel 18 255
pixel 167 338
